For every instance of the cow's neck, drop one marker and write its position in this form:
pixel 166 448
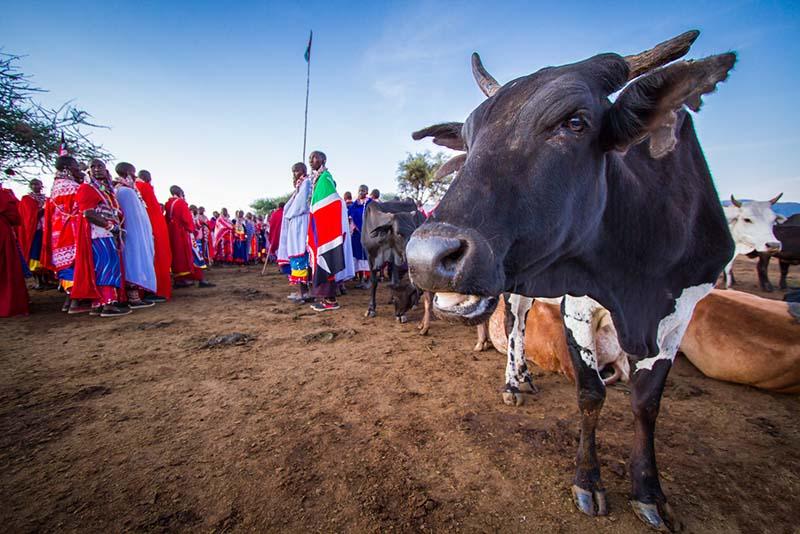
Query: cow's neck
pixel 662 231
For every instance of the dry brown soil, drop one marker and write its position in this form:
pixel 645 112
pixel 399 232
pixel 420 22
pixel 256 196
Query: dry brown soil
pixel 334 422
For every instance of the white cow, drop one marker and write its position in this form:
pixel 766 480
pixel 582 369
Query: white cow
pixel 751 223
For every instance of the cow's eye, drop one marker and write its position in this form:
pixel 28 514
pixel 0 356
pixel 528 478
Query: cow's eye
pixel 748 220
pixel 576 123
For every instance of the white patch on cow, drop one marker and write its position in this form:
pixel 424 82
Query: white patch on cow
pixel 519 306
pixel 672 327
pixel 580 318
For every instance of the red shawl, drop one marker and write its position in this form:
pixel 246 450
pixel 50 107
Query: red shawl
pixel 163 256
pixel 13 293
pixel 61 224
pixel 275 221
pixel 181 228
pixel 29 213
pixel 84 283
pixel 223 240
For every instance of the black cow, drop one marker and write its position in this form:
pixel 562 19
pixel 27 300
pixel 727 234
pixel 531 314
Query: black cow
pixel 563 192
pixel 385 232
pixel 788 233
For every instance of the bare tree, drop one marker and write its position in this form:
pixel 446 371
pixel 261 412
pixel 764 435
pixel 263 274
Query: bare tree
pixel 30 133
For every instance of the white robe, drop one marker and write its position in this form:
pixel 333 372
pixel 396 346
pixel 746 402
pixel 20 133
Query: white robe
pixel 294 225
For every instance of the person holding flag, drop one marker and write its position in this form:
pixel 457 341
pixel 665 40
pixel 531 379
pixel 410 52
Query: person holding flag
pixel 331 257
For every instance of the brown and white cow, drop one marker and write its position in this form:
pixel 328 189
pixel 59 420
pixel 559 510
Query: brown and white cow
pixel 742 338
pixel 546 347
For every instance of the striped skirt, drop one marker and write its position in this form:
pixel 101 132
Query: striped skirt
pixel 106 262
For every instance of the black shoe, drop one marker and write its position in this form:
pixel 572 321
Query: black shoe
pixel 136 304
pixel 155 299
pixel 113 310
pixel 203 283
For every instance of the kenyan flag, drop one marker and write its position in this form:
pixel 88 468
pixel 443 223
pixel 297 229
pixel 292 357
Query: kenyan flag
pixel 326 230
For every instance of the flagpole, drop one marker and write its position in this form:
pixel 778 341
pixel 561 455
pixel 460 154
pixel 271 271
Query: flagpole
pixel 308 85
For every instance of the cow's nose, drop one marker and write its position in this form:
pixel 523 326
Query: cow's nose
pixel 774 246
pixel 435 260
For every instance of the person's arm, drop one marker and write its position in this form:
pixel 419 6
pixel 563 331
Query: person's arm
pixel 87 201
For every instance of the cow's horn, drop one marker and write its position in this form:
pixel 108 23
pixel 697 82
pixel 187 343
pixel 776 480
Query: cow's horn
pixel 735 202
pixel 486 82
pixel 776 199
pixel 659 55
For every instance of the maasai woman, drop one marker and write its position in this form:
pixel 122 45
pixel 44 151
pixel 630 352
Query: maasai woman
pixel 293 246
pixel 13 293
pixel 187 264
pixel 239 240
pixel 356 215
pixel 62 222
pixel 163 253
pixel 98 265
pixel 223 238
pixel 31 210
pixel 138 254
pixel 275 227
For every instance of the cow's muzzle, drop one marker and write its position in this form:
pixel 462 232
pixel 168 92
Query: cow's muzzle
pixel 470 309
pixel 459 266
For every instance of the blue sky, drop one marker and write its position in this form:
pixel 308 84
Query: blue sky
pixel 210 96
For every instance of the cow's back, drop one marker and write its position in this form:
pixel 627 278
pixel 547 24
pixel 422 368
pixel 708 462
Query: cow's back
pixel 738 337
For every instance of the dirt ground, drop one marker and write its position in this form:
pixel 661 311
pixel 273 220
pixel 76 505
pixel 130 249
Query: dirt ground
pixel 334 422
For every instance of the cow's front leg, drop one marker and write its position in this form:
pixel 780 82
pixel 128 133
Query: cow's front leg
pixel 763 272
pixel 483 337
pixel 784 273
pixel 728 273
pixel 373 291
pixel 647 384
pixel 518 377
pixel 588 492
pixel 647 499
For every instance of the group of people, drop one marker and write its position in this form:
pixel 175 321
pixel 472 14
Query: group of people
pixel 319 235
pixel 105 241
pixel 242 240
pixel 111 247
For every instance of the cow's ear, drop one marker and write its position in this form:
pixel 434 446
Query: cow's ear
pixel 447 134
pixel 648 106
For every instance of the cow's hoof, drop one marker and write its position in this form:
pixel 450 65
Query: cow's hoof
pixel 402 319
pixel 511 398
pixel 656 516
pixel 590 502
pixel 515 396
pixel 481 346
pixel 423 329
pixel 768 288
pixel 370 313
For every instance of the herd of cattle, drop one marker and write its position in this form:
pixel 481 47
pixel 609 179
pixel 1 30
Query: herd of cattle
pixel 605 214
